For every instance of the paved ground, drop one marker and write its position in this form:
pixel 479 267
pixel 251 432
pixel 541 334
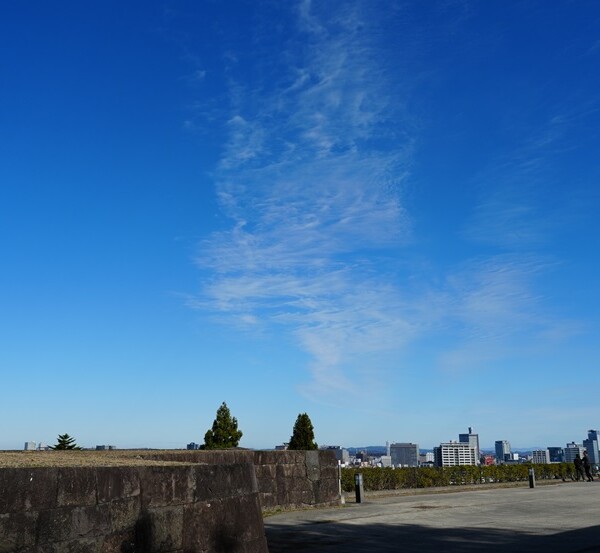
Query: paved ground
pixel 563 518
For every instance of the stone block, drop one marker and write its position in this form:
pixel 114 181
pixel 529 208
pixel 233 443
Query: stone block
pixel 313 465
pixel 47 548
pixel 124 513
pixel 167 485
pixel 267 485
pixel 295 484
pixel 298 498
pixel 327 457
pixel 269 501
pixel 119 542
pixel 265 471
pixel 328 490
pixel 27 489
pixel 117 483
pixel 222 481
pixel 268 457
pixel 17 531
pixel 72 523
pixel 281 499
pixel 86 545
pixel 223 525
pixel 76 486
pixel 163 529
pixel 291 471
pixel 329 471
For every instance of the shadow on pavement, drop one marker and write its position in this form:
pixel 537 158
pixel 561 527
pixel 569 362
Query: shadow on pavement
pixel 330 537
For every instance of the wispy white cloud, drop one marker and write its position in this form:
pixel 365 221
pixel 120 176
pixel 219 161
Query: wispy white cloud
pixel 312 178
pixel 314 192
pixel 493 312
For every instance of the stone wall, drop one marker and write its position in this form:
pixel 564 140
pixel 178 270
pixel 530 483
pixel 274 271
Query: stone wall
pixel 155 502
pixel 162 509
pixel 286 479
pixel 296 479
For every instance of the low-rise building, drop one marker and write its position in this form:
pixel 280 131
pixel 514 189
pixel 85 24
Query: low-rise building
pixel 385 461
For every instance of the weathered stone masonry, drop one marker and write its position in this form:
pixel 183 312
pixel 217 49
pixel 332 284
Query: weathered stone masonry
pixel 286 479
pixel 171 502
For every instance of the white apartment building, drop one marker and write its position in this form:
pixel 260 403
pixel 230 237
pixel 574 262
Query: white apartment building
pixel 540 457
pixel 452 454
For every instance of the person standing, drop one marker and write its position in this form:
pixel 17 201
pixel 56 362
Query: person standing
pixel 586 466
pixel 578 468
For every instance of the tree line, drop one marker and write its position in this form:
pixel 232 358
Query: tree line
pixel 224 433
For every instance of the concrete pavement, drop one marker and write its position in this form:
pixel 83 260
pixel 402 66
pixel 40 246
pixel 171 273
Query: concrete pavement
pixel 561 518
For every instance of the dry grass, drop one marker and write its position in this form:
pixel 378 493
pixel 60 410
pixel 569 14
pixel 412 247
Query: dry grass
pixel 110 458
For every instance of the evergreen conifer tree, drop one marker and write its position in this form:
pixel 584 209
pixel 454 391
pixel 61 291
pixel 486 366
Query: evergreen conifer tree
pixel 65 442
pixel 303 436
pixel 224 432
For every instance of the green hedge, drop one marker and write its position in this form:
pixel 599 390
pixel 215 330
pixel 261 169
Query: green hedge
pixel 425 477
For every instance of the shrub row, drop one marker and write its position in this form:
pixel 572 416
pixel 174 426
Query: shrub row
pixel 375 478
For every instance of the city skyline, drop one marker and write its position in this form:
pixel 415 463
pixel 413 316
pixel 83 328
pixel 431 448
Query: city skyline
pixel 378 213
pixel 472 439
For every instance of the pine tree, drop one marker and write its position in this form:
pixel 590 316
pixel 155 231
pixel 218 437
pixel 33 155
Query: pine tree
pixel 303 436
pixel 65 442
pixel 224 432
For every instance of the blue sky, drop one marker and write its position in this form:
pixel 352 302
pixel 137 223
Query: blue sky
pixel 383 214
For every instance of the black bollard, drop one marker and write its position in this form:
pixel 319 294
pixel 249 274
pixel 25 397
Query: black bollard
pixel 358 487
pixel 531 478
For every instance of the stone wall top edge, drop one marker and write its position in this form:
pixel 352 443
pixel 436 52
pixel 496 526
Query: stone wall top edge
pixel 50 459
pixel 124 458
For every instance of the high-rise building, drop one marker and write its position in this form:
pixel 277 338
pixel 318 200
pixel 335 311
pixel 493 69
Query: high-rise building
pixel 571 451
pixel 502 451
pixel 29 446
pixel 540 457
pixel 592 445
pixel 557 454
pixel 452 454
pixel 473 441
pixel 404 454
